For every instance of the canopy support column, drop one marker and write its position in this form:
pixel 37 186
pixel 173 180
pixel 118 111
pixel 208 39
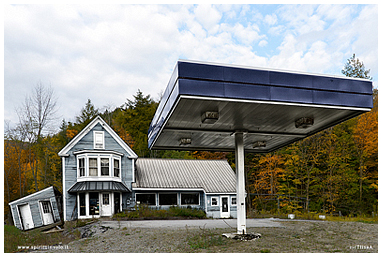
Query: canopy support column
pixel 240 173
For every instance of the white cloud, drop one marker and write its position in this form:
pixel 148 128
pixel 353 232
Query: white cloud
pixel 271 19
pixel 208 17
pixel 262 43
pixel 108 52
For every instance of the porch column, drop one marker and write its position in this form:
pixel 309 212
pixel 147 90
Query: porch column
pixel 240 174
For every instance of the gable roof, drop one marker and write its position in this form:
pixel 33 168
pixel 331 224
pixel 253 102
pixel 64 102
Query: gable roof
pixel 22 199
pixel 213 176
pixel 88 128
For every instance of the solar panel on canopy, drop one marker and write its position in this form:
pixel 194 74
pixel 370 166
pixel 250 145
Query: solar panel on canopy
pixel 266 104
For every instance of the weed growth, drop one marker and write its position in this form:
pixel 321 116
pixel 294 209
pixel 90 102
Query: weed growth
pixel 205 240
pixel 146 212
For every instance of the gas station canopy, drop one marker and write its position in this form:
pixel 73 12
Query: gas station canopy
pixel 205 104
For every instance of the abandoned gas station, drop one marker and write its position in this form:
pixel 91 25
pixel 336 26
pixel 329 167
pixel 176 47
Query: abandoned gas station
pixel 217 107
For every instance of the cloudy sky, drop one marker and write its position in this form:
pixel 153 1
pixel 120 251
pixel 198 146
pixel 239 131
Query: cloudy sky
pixel 106 53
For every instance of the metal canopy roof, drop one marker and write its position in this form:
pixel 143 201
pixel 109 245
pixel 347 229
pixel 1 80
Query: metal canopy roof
pixel 97 186
pixel 264 104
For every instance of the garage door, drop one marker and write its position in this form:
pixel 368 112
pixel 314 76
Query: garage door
pixel 26 217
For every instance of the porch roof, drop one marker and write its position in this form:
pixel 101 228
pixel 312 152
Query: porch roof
pixel 85 186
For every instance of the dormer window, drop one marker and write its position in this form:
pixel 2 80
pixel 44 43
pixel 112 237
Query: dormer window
pixel 99 140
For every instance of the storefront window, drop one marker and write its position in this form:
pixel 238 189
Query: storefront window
pixel 82 204
pixel 168 199
pixel 93 203
pixel 190 198
pixel 149 199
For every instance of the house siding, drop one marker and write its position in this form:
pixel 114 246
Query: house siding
pixel 215 211
pixel 86 143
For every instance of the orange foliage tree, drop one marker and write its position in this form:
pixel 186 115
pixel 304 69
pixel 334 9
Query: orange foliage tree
pixel 365 135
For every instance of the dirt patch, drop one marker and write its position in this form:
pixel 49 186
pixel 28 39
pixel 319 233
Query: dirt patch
pixel 291 237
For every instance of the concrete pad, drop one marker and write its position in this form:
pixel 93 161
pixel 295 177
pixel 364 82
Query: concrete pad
pixel 202 223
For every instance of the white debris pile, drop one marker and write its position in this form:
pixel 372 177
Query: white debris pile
pixel 242 237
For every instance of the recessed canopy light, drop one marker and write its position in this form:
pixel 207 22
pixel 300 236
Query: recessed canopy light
pixel 185 141
pixel 304 122
pixel 259 144
pixel 209 117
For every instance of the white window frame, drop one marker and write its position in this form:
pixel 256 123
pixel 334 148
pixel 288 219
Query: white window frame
pixel 88 164
pixel 232 200
pixel 96 135
pixel 85 166
pixel 215 198
pixel 113 167
pixel 111 157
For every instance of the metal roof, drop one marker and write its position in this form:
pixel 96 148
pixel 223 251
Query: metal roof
pixel 265 104
pixel 83 186
pixel 213 176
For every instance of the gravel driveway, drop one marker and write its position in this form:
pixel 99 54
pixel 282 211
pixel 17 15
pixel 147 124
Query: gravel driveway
pixel 174 235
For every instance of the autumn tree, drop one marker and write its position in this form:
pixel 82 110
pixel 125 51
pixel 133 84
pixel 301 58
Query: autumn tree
pixel 365 132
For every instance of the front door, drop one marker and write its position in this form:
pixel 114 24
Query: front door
pixel 106 204
pixel 47 213
pixel 26 217
pixel 225 211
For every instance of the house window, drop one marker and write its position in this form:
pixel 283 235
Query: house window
pixel 190 198
pixel 148 199
pixel 234 200
pixel 82 204
pixel 168 199
pixel 46 206
pixel 93 167
pixel 116 168
pixel 106 199
pixel 81 166
pixel 214 201
pixel 105 167
pixel 99 140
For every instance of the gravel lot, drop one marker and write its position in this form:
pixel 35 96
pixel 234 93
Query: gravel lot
pixel 287 236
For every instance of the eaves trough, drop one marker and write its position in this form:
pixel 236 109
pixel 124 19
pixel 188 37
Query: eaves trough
pixel 205 104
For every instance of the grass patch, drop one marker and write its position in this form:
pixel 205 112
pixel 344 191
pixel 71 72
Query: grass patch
pixel 206 239
pixel 16 240
pixel 314 216
pixel 146 212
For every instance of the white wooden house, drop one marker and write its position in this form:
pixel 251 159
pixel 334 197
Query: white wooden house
pixel 102 175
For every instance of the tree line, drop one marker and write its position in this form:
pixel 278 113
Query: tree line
pixel 333 171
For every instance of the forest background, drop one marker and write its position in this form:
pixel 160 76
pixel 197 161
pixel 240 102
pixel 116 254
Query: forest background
pixel 332 172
